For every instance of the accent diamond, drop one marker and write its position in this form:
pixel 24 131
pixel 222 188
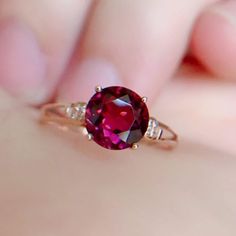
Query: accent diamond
pixel 153 130
pixel 76 111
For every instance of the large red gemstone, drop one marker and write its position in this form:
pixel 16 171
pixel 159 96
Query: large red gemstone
pixel 116 117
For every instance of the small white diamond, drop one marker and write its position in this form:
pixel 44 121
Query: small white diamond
pixel 153 130
pixel 76 111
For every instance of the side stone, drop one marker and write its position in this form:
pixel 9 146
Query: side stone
pixel 153 131
pixel 76 111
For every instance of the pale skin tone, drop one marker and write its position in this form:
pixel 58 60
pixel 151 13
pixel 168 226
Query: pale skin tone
pixel 57 183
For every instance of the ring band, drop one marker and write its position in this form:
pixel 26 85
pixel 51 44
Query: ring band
pixel 106 118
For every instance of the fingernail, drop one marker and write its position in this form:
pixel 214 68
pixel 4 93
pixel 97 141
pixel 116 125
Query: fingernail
pixel 227 10
pixel 214 39
pixel 80 84
pixel 22 64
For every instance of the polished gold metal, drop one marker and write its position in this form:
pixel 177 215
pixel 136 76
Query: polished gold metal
pixel 144 99
pixel 72 115
pixel 135 146
pixel 58 113
pixel 90 137
pixel 98 89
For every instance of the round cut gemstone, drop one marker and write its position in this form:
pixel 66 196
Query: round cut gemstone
pixel 116 117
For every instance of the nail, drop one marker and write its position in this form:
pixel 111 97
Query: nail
pixel 80 84
pixel 214 37
pixel 22 64
pixel 227 10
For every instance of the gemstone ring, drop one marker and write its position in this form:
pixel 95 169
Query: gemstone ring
pixel 115 117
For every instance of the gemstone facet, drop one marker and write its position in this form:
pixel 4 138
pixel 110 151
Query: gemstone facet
pixel 116 117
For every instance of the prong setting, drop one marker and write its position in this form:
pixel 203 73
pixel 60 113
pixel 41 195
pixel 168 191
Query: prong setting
pixel 98 89
pixel 113 114
pixel 90 137
pixel 144 99
pixel 135 146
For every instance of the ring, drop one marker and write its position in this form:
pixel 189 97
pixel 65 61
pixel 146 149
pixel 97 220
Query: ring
pixel 115 117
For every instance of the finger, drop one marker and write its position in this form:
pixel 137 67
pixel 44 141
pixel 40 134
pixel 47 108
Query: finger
pixel 202 110
pixel 56 183
pixel 36 42
pixel 141 44
pixel 214 39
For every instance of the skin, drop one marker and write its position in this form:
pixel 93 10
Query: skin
pixel 57 183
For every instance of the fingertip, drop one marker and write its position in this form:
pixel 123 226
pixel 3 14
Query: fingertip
pixel 22 64
pixel 82 80
pixel 214 37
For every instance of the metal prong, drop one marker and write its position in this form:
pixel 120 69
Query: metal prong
pixel 98 89
pixel 90 137
pixel 135 146
pixel 144 99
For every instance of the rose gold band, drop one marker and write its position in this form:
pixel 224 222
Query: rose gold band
pixel 168 138
pixel 57 113
pixel 73 115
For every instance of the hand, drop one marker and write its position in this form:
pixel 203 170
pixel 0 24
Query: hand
pixel 53 183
